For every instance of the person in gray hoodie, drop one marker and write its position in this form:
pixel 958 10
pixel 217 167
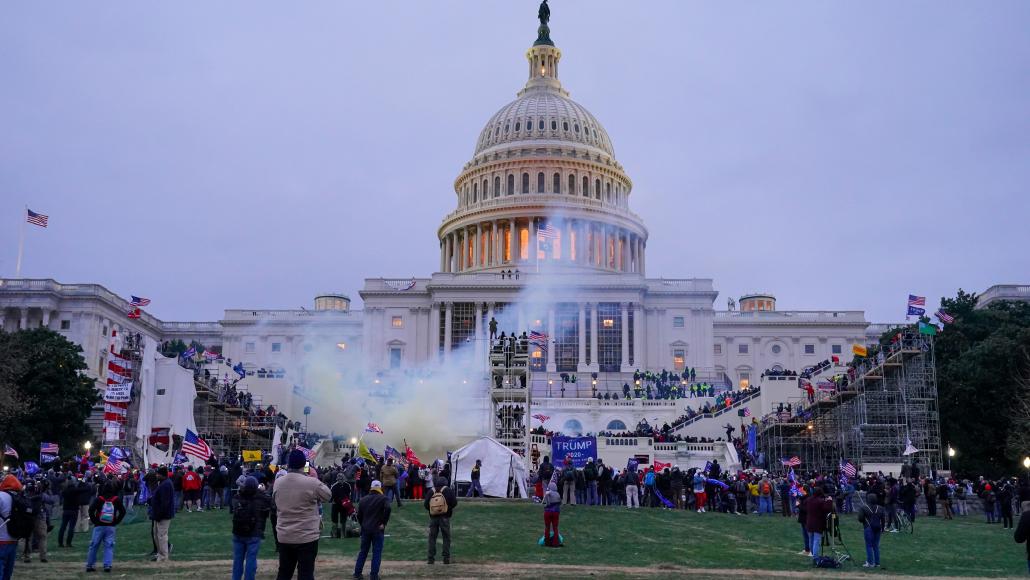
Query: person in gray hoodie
pixel 552 508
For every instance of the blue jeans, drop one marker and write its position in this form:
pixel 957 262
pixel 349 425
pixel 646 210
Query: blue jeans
pixel 8 554
pixel 872 545
pixel 475 487
pixel 105 535
pixel 374 541
pixel 808 538
pixel 592 498
pixel 244 556
pixel 764 505
pixel 817 543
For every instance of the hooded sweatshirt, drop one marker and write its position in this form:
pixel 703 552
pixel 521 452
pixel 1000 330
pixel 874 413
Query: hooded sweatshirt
pixel 552 501
pixel 10 484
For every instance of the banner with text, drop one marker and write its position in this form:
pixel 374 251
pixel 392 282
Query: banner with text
pixel 579 449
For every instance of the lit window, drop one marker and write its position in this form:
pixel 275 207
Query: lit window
pixel 677 322
pixel 608 322
pixel 776 349
pixel 248 347
pixel 745 380
pixel 66 324
pixel 537 354
pixel 835 349
pixel 397 322
pixel 742 348
pixel 678 359
pixel 277 347
pixel 718 349
pixel 809 349
pixel 339 345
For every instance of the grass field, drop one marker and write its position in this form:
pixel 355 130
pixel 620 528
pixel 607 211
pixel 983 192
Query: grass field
pixel 498 539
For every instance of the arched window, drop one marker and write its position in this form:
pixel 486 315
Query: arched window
pixel 576 128
pixel 608 192
pixel 554 125
pixel 565 126
pixel 540 124
pixel 511 184
pixel 525 183
pixel 518 126
pixel 475 192
pixel 586 186
pixel 572 427
pixel 497 186
pixel 572 185
pixel 506 127
pixel 597 188
pixel 486 184
pixel 557 183
pixel 616 425
pixel 540 182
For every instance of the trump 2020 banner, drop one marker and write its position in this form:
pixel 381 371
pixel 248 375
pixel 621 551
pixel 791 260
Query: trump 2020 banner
pixel 579 449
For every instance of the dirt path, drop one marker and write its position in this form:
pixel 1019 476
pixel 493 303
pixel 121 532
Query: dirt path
pixel 343 567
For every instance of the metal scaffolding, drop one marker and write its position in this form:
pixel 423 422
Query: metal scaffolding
pixel 509 393
pixel 879 409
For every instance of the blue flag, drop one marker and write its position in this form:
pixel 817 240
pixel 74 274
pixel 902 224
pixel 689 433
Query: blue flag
pixel 190 352
pixel 47 458
pixel 752 439
pixel 144 493
pixel 914 311
pixel 31 467
pixel 239 370
pixel 632 464
pixel 116 454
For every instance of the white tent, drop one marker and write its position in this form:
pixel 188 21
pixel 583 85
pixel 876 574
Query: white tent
pixel 499 463
pixel 166 400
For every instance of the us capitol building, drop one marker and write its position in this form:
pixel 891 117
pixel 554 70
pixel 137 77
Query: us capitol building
pixel 542 238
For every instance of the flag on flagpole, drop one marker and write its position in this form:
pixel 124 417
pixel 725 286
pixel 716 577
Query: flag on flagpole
pixel 792 462
pixel 240 370
pixel 914 300
pixel 927 329
pixel 190 352
pixel 412 458
pixel 48 448
pixel 364 453
pixel 848 469
pixel 37 219
pixel 210 356
pixel 913 311
pixel 307 452
pixel 194 446
pixel 135 313
pixel 373 428
pixel 747 411
pixel 545 235
pixel 859 350
pixel 9 451
pixel 541 417
pixel 137 301
pixel 944 317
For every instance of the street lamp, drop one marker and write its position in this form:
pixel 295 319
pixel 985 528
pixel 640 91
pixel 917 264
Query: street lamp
pixel 353 440
pixel 951 453
pixel 87 445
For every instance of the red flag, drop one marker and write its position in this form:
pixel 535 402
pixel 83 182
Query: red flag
pixel 412 458
pixel 134 313
pixel 658 465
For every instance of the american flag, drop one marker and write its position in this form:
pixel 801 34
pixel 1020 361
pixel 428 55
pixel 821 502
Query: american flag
pixel 137 301
pixel 373 428
pixel 190 352
pixel 51 448
pixel 548 232
pixel 209 356
pixel 538 338
pixel 792 462
pixel 541 417
pixel 944 317
pixel 305 451
pixel 115 466
pixel 36 218
pixel 914 300
pixel 848 469
pixel 8 450
pixel 747 411
pixel 194 446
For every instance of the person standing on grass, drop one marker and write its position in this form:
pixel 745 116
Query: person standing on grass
pixel 390 480
pixel 191 485
pixel 819 506
pixel 373 515
pixel 69 513
pixel 802 509
pixel 699 491
pixel 474 486
pixel 162 510
pixel 552 509
pixel 8 544
pixel 1022 533
pixel 250 511
pixel 873 519
pixel 298 521
pixel 105 513
pixel 440 506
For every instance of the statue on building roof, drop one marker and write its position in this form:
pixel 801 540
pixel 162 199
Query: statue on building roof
pixel 543 34
pixel 544 14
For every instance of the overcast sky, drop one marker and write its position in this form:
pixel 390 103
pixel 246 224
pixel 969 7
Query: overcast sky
pixel 213 155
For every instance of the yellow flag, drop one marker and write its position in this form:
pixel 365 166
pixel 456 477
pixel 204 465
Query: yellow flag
pixel 251 456
pixel 364 453
pixel 859 350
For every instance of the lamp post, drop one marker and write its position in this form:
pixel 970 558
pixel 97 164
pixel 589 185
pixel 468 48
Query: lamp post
pixel 87 446
pixel 951 453
pixel 1026 465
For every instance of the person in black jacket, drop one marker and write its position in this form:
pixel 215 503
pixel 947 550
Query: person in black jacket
pixel 1023 530
pixel 373 515
pixel 341 493
pixel 70 513
pixel 440 523
pixel 162 510
pixel 250 510
pixel 105 512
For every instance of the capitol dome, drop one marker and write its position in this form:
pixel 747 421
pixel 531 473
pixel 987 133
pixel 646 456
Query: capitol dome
pixel 543 187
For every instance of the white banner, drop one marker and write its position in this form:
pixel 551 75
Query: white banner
pixel 119 393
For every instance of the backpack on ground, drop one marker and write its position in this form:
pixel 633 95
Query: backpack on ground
pixel 106 515
pixel 825 562
pixel 22 520
pixel 438 503
pixel 245 519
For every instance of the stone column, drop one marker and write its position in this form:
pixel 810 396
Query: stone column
pixel 513 242
pixel 46 318
pixel 448 313
pixel 624 366
pixel 477 252
pixel 638 335
pixel 23 323
pixel 434 332
pixel 581 338
pixel 531 242
pixel 604 248
pixel 550 341
pixel 594 360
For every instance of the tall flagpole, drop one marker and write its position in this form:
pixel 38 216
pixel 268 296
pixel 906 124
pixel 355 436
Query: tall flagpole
pixel 21 242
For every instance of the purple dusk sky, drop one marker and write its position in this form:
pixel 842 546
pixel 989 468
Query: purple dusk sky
pixel 235 154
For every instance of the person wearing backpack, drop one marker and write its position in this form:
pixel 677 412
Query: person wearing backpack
pixel 552 511
pixel 568 477
pixel 105 513
pixel 251 507
pixel 41 501
pixel 765 496
pixel 440 506
pixel 872 516
pixel 15 523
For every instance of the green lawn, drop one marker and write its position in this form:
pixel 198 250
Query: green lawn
pixel 506 532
